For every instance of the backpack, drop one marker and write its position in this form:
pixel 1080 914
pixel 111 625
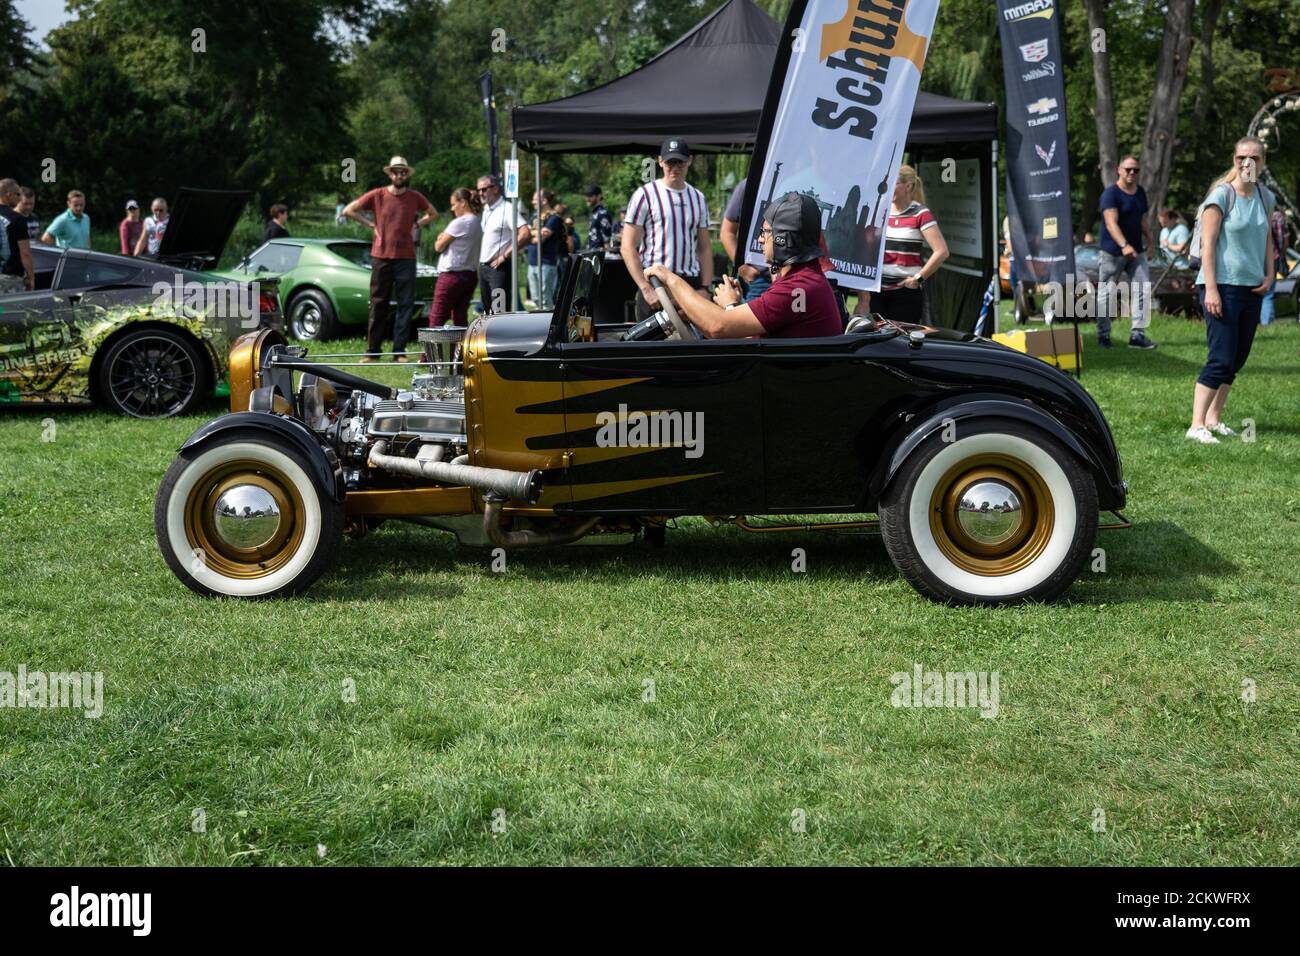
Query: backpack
pixel 1194 245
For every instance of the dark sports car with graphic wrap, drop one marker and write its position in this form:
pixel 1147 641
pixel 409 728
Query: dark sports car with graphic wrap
pixel 145 337
pixel 987 468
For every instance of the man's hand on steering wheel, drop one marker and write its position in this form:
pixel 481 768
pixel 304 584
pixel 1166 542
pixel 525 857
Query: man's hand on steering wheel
pixel 664 276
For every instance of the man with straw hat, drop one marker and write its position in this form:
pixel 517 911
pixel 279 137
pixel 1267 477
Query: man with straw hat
pixel 392 209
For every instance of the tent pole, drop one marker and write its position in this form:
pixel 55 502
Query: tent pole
pixel 537 174
pixel 514 233
pixel 995 231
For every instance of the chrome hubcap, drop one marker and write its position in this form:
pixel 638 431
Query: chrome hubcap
pixel 306 320
pixel 246 516
pixel 990 512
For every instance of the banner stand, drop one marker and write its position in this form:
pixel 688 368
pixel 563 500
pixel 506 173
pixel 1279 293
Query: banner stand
pixel 995 231
pixel 514 234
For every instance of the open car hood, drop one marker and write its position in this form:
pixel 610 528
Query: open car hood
pixel 201 223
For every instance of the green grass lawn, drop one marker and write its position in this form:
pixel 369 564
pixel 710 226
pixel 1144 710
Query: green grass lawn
pixel 502 717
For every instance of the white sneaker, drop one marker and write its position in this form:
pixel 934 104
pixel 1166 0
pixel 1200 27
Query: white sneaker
pixel 1222 429
pixel 1202 435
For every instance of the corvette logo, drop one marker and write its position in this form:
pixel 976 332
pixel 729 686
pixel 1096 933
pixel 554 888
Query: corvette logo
pixel 1034 52
pixel 1046 155
pixel 1044 105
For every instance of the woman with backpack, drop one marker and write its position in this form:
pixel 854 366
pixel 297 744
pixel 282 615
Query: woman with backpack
pixel 1235 246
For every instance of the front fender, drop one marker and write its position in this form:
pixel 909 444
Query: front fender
pixel 908 441
pixel 324 463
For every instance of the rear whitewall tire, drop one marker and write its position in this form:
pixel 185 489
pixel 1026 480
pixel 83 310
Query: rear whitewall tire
pixel 1043 569
pixel 316 517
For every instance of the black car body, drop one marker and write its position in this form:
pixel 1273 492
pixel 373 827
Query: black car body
pixel 550 427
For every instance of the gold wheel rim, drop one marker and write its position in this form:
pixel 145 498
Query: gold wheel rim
pixel 1022 546
pixel 221 555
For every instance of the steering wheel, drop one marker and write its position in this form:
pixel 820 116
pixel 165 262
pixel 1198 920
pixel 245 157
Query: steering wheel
pixel 684 329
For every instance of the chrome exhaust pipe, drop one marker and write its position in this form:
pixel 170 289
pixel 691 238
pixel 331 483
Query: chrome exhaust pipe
pixel 528 538
pixel 517 485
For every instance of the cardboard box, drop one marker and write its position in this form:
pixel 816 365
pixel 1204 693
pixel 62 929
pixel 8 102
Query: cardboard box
pixel 1060 345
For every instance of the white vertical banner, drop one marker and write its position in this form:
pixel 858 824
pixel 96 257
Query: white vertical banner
pixel 835 124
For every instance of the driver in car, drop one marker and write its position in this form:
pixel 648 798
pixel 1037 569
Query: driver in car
pixel 800 302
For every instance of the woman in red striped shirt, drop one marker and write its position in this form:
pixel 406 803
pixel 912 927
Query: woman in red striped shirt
pixel 912 227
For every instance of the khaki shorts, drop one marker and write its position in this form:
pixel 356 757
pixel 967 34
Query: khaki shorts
pixel 10 284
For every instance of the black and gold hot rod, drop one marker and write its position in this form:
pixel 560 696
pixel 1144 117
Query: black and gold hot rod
pixel 987 469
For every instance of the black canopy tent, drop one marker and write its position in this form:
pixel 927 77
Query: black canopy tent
pixel 708 89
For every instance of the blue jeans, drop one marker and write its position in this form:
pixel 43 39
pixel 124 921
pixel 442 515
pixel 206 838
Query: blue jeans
pixel 1113 270
pixel 1266 310
pixel 1229 336
pixel 541 284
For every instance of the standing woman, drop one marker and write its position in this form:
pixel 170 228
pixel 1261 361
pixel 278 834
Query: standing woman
pixel 912 227
pixel 458 246
pixel 1236 263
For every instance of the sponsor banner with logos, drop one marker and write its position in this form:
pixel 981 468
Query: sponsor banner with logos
pixel 1038 165
pixel 835 124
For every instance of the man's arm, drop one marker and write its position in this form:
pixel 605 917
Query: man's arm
pixel 1146 233
pixel 704 250
pixel 353 211
pixel 729 233
pixel 142 243
pixel 627 247
pixel 29 270
pixel 1110 220
pixel 430 213
pixel 714 320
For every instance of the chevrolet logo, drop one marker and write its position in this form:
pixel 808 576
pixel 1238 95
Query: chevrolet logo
pixel 1044 105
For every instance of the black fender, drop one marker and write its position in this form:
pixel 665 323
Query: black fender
pixel 324 463
pixel 908 440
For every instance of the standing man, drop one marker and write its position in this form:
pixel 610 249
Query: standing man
pixel 756 280
pixel 667 224
pixel 600 230
pixel 500 242
pixel 16 271
pixel 277 226
pixel 27 209
pixel 70 228
pixel 392 255
pixel 130 229
pixel 155 227
pixel 1125 235
pixel 544 250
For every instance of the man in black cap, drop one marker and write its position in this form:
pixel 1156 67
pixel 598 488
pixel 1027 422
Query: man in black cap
pixel 667 224
pixel 600 230
pixel 800 302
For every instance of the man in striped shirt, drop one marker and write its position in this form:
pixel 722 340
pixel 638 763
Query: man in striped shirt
pixel 667 224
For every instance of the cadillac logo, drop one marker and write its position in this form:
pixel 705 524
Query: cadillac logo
pixel 1034 52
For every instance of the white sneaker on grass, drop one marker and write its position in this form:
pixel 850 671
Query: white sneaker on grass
pixel 1202 435
pixel 1222 429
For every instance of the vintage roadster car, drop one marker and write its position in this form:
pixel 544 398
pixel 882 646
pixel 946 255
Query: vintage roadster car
pixel 987 468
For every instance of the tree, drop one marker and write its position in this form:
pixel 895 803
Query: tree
pixel 1162 115
pixel 1104 111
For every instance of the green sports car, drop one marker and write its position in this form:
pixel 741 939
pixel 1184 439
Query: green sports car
pixel 325 284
